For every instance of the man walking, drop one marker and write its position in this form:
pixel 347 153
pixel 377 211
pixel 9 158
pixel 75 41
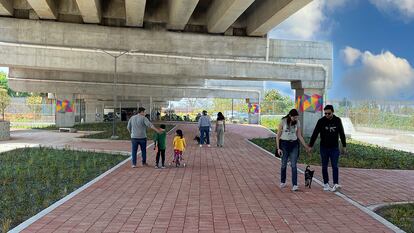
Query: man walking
pixel 330 127
pixel 204 125
pixel 137 127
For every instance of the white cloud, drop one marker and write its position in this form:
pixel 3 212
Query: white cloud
pixel 403 9
pixel 381 76
pixel 350 55
pixel 308 22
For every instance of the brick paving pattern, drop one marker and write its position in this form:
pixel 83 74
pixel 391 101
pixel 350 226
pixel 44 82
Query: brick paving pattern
pixel 229 189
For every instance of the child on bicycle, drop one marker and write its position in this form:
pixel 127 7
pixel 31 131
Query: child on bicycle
pixel 179 147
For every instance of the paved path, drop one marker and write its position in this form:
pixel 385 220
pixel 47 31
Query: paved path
pixel 399 140
pixel 31 138
pixel 230 189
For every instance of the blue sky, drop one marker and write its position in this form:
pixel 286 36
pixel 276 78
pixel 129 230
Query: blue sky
pixel 373 43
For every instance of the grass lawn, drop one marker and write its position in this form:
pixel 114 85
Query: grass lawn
pixel 400 215
pixel 121 130
pixel 31 179
pixel 360 155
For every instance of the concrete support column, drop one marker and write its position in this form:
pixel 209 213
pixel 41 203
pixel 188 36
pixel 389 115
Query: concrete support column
pixel 94 111
pixel 65 118
pixel 308 119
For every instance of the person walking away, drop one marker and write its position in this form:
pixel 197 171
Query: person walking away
pixel 179 146
pixel 137 127
pixel 160 141
pixel 331 129
pixel 287 146
pixel 204 125
pixel 220 129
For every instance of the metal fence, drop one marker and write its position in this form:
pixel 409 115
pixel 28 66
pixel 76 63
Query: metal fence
pixel 22 114
pixel 386 115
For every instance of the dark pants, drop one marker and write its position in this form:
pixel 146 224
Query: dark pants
pixel 141 142
pixel 333 155
pixel 290 150
pixel 205 134
pixel 157 159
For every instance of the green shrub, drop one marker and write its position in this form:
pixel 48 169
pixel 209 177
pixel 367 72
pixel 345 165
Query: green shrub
pixel 271 122
pixel 400 215
pixel 106 127
pixel 360 155
pixel 31 179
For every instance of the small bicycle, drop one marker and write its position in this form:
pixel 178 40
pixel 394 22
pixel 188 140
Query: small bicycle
pixel 178 159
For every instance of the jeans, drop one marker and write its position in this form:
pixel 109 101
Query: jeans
pixel 290 150
pixel 220 135
pixel 333 155
pixel 205 134
pixel 142 142
pixel 162 153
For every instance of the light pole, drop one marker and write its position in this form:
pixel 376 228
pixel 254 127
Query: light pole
pixel 115 55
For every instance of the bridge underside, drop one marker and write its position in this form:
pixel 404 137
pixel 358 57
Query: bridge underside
pixel 76 59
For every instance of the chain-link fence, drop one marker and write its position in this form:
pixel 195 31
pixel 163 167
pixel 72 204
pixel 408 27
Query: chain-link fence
pixel 23 114
pixel 386 115
pixel 234 110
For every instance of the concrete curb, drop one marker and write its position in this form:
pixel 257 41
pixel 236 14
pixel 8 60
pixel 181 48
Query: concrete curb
pixel 343 196
pixel 382 205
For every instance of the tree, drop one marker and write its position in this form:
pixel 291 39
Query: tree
pixel 274 102
pixel 35 103
pixel 4 100
pixel 5 84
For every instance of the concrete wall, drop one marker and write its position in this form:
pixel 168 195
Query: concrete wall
pixel 91 36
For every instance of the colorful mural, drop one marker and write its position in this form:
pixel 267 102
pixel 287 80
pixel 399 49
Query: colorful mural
pixel 64 106
pixel 254 108
pixel 307 103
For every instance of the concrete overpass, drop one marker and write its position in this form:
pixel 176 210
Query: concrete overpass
pixel 230 17
pixel 172 48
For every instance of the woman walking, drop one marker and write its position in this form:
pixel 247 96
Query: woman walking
pixel 287 146
pixel 220 129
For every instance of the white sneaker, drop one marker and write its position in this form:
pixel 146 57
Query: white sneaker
pixel 336 187
pixel 208 145
pixel 282 185
pixel 326 187
pixel 201 145
pixel 295 188
pixel 133 166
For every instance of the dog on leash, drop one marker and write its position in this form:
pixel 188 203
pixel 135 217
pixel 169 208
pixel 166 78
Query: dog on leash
pixel 197 138
pixel 308 176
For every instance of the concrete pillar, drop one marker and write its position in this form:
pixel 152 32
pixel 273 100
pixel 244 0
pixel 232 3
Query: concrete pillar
pixel 308 119
pixel 270 13
pixel 222 14
pixel 90 10
pixel 180 12
pixel 135 10
pixel 65 118
pixel 94 111
pixel 45 9
pixel 6 7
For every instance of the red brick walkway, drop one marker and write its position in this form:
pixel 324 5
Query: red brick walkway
pixel 374 186
pixel 230 189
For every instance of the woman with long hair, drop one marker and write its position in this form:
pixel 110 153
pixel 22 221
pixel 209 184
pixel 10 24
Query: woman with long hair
pixel 220 129
pixel 287 146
